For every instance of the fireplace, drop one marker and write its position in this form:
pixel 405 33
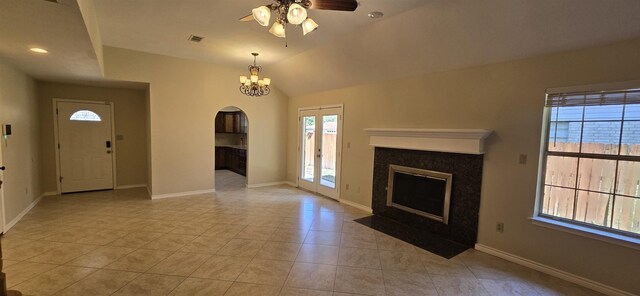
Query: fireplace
pixel 421 192
pixel 429 179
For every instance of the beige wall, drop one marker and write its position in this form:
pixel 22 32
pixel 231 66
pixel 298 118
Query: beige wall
pixel 185 97
pixel 130 121
pixel 18 107
pixel 508 99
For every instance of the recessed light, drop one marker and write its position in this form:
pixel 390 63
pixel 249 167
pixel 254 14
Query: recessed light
pixel 38 50
pixel 375 14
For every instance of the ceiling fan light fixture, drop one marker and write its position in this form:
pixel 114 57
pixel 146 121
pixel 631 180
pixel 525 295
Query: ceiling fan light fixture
pixel 262 15
pixel 297 14
pixel 308 26
pixel 278 30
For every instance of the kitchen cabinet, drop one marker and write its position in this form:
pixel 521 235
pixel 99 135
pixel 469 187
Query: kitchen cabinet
pixel 231 122
pixel 233 159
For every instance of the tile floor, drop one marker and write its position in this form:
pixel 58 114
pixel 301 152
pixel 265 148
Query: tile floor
pixel 227 180
pixel 267 241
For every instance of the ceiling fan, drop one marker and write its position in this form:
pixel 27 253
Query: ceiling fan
pixel 295 12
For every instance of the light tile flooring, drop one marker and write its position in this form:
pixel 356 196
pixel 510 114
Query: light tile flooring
pixel 267 241
pixel 227 180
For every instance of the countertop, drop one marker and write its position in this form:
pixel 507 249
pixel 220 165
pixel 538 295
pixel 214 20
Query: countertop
pixel 233 146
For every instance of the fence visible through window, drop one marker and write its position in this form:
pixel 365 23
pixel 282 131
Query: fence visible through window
pixel 592 165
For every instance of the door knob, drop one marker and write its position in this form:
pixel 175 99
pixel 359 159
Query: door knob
pixel 2 168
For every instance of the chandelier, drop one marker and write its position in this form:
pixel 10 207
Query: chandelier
pixel 254 86
pixel 287 12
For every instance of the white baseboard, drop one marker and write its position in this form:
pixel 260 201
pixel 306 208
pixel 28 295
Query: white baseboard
pixel 24 212
pixel 570 277
pixel 292 184
pixel 179 194
pixel 131 186
pixel 266 184
pixel 50 193
pixel 356 205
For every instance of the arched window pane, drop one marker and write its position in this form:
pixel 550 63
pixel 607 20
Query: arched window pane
pixel 85 115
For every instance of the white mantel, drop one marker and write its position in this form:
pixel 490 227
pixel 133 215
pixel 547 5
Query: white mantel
pixel 469 141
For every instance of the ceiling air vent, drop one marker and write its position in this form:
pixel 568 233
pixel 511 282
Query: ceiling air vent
pixel 194 38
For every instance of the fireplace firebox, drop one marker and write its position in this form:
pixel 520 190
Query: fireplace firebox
pixel 422 192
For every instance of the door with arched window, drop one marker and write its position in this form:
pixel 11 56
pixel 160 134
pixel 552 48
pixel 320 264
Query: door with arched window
pixel 85 146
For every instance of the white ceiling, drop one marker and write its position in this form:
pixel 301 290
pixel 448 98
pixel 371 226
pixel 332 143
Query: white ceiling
pixel 415 37
pixel 59 28
pixel 163 26
pixel 454 34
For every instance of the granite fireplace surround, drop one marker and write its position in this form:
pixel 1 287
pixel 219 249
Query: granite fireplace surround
pixel 465 190
pixel 458 152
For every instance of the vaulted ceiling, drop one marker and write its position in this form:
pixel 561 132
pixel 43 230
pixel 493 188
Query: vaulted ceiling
pixel 414 37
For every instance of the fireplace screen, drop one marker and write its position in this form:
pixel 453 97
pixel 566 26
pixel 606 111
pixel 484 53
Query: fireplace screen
pixel 422 192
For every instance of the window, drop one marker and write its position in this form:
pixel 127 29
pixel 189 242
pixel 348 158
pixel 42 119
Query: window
pixel 85 115
pixel 591 158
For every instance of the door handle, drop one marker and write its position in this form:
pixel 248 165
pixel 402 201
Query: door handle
pixel 2 168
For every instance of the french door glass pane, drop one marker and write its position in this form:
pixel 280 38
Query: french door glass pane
pixel 329 137
pixel 308 147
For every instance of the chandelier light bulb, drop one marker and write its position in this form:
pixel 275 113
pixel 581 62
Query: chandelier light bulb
pixel 243 79
pixel 278 30
pixel 267 81
pixel 254 78
pixel 297 14
pixel 308 26
pixel 247 83
pixel 262 15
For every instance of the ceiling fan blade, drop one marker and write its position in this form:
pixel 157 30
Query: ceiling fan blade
pixel 246 18
pixel 343 5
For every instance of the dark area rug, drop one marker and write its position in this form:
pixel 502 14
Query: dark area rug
pixel 419 238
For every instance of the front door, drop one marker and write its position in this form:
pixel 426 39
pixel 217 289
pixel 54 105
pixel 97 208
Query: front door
pixel 320 144
pixel 85 146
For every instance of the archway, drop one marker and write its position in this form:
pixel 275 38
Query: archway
pixel 231 147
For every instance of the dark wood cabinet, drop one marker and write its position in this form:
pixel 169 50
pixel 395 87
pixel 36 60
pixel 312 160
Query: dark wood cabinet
pixel 233 159
pixel 231 122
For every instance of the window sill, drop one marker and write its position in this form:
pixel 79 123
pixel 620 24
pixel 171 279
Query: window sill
pixel 600 235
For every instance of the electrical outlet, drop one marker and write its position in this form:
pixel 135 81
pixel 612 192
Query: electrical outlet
pixel 500 227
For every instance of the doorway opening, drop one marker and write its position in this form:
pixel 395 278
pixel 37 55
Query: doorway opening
pixel 231 148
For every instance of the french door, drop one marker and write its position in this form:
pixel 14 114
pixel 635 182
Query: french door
pixel 320 142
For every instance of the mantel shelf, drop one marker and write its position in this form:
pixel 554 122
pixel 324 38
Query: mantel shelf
pixel 469 141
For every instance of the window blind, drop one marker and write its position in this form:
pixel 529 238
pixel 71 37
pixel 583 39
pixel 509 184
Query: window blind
pixel 593 99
